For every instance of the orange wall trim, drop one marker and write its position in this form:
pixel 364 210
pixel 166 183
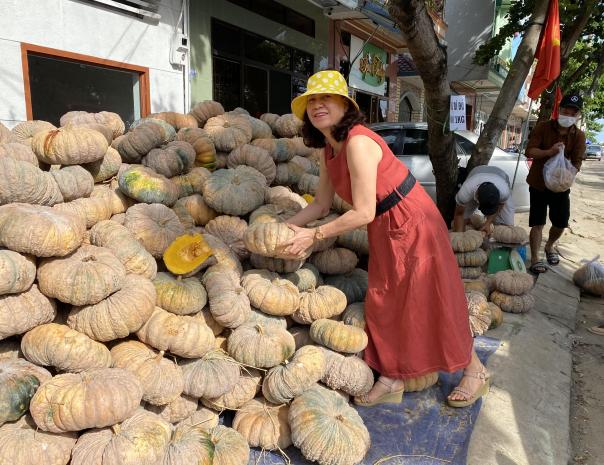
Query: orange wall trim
pixel 145 91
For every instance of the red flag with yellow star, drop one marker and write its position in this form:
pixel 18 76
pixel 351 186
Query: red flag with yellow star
pixel 548 53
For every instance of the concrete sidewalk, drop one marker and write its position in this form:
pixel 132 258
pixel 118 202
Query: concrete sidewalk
pixel 525 418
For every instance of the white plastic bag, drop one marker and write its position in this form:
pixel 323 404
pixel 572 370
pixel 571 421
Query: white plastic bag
pixel 590 277
pixel 558 172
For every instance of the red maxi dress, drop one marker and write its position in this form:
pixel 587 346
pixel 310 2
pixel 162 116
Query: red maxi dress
pixel 415 309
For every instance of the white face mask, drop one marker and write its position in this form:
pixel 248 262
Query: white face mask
pixel 566 121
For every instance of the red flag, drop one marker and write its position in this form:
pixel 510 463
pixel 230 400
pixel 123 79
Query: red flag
pixel 548 53
pixel 557 99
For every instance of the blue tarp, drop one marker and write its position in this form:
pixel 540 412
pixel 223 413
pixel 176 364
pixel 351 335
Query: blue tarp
pixel 422 430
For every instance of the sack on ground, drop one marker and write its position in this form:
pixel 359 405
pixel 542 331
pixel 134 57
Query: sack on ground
pixel 590 277
pixel 559 173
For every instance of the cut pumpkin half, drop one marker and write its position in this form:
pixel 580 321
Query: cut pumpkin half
pixel 188 254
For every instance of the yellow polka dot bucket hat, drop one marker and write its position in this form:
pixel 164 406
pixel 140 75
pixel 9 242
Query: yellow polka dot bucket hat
pixel 323 82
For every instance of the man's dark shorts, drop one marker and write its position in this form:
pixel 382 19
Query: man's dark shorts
pixel 559 207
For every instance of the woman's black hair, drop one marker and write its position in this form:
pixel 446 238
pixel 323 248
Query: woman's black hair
pixel 315 138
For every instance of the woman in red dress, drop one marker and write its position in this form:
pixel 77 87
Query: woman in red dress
pixel 415 309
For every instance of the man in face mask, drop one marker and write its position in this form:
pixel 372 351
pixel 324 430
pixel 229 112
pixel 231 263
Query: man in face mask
pixel 544 142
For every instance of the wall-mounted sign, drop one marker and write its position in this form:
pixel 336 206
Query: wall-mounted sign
pixel 368 72
pixel 457 119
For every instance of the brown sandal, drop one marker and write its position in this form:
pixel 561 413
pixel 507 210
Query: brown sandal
pixel 390 397
pixel 469 398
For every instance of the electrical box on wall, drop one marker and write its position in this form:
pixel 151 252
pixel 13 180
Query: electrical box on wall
pixel 179 49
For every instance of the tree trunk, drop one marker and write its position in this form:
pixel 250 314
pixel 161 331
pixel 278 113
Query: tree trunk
pixel 569 37
pixel 511 87
pixel 430 58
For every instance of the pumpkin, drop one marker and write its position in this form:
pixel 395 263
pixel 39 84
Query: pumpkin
pixel 218 446
pixel 256 157
pixel 356 240
pixel 263 425
pixel 470 272
pixel 17 272
pixel 326 429
pixel 284 198
pixel 196 206
pixel 269 118
pixel 206 316
pixel 161 379
pixel 91 210
pixel 335 261
pixel 305 278
pixel 287 174
pixel 262 346
pixel 290 379
pixel 270 293
pixel 106 118
pixel 18 151
pixel 203 419
pixel 223 254
pixel 246 389
pixel 61 347
pixel 177 410
pixel 21 312
pixel 104 130
pixel 84 277
pixel 175 158
pixel 258 316
pixel 269 239
pixel 229 131
pixel 477 285
pixel 300 148
pixel 177 120
pixel 590 277
pixel 21 443
pixel 69 146
pixel 354 315
pixel 321 302
pixel 278 265
pixel 192 182
pixel 10 349
pixel 179 296
pixel 301 336
pixel 155 226
pixel 235 191
pixel 229 303
pixel 118 315
pixel 480 314
pixel 308 184
pixel 513 282
pixel 211 376
pixel 280 150
pixel 475 258
pixel 466 241
pixel 24 182
pixel 73 402
pixel 288 125
pixel 140 141
pixel 130 252
pixel 203 111
pixel 118 202
pixel 347 373
pixel 142 438
pixel 145 185
pixel 513 303
pixel 272 213
pixel 340 205
pixel 19 380
pixel 187 255
pixel 49 232
pixel 421 383
pixel 496 315
pixel 182 335
pixel 105 168
pixel 509 234
pixel 338 336
pixel 205 151
pixel 25 131
pixel 230 230
pixel 74 182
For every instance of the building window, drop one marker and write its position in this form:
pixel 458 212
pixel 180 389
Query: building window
pixel 279 13
pixel 57 82
pixel 256 73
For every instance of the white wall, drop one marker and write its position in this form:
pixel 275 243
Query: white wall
pixel 90 29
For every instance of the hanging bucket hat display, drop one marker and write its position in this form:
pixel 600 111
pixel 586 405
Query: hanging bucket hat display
pixel 323 82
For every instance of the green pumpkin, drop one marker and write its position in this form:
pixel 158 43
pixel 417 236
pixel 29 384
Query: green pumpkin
pixel 20 381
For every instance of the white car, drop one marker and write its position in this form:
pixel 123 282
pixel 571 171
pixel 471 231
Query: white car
pixel 409 142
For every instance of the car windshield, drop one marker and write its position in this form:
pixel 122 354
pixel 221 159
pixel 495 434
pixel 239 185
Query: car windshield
pixel 594 148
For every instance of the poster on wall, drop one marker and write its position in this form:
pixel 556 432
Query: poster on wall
pixel 458 112
pixel 368 72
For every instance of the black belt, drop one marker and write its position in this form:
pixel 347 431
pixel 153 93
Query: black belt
pixel 396 195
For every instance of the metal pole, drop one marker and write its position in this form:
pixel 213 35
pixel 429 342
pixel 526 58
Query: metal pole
pixel 522 140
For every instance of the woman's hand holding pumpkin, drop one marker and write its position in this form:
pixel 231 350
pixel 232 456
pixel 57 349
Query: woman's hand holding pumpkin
pixel 303 240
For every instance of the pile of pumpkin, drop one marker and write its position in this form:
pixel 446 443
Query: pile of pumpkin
pixel 144 290
pixel 490 294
